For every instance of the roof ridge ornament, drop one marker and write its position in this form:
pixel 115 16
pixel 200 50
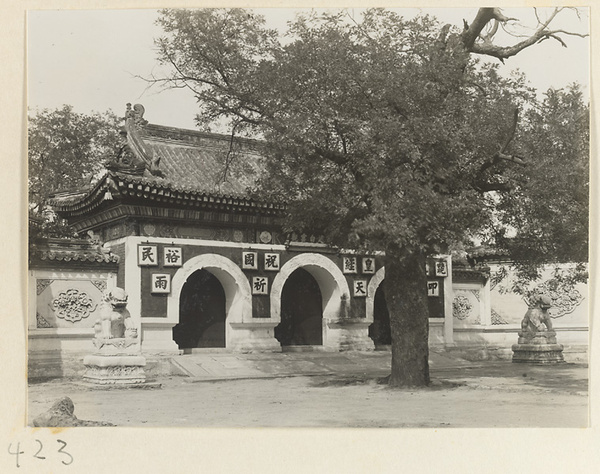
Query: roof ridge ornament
pixel 134 157
pixel 136 114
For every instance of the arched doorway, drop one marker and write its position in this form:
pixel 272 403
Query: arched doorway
pixel 301 311
pixel 235 285
pixel 202 312
pixel 380 330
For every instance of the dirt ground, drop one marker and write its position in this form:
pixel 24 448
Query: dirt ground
pixel 497 394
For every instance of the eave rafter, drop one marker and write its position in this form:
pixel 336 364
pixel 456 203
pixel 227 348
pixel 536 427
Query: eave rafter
pixel 123 188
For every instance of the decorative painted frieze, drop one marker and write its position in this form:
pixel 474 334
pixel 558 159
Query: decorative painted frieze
pixel 149 229
pixel 238 235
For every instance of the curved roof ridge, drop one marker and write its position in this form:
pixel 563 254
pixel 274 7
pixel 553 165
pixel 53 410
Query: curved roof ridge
pixel 174 133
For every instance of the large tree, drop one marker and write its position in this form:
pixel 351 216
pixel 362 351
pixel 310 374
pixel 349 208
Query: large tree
pixel 380 132
pixel 66 150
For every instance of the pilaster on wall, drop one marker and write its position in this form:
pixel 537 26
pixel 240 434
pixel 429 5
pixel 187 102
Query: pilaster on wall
pixel 448 299
pixel 486 307
pixel 133 281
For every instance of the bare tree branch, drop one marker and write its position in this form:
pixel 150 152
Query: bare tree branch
pixel 486 187
pixel 230 155
pixel 482 184
pixel 511 133
pixel 485 46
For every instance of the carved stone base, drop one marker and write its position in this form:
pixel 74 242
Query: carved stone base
pixel 538 348
pixel 541 337
pixel 121 369
pixel 116 346
pixel 349 335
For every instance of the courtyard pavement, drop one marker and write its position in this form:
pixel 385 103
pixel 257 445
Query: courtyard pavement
pixel 215 366
pixel 324 389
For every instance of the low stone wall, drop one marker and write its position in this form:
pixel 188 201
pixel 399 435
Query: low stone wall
pixel 64 304
pixel 487 318
pixel 493 342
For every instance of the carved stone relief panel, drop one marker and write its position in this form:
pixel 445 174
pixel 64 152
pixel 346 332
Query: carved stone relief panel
pixel 68 302
pixel 466 309
pixel 73 305
pixel 563 302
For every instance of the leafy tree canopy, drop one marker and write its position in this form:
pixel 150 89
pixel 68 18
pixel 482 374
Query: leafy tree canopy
pixel 389 132
pixel 66 150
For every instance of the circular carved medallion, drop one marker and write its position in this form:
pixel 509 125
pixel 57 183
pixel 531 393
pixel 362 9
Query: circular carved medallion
pixel 238 236
pixel 265 237
pixel 73 305
pixel 149 229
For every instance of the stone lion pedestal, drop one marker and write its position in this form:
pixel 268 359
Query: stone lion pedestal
pixel 537 341
pixel 117 359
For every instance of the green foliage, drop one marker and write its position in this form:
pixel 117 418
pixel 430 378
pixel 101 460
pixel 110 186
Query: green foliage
pixel 385 131
pixel 545 215
pixel 66 150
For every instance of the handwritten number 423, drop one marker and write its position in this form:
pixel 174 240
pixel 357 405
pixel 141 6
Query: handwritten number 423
pixel 38 454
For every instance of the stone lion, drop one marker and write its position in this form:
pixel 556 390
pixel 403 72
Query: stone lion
pixel 115 320
pixel 537 318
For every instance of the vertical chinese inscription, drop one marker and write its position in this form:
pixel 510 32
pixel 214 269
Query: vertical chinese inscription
pixel 441 268
pixel 368 265
pixel 249 260
pixel 147 255
pixel 172 257
pixel 260 285
pixel 349 264
pixel 360 288
pixel 433 288
pixel 161 283
pixel 272 262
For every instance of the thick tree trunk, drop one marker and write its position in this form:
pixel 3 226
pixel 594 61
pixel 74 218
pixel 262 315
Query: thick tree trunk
pixel 406 296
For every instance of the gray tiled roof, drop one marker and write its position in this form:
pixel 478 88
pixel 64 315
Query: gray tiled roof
pixel 69 251
pixel 197 161
pixel 194 168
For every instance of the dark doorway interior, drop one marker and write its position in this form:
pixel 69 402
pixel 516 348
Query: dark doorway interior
pixel 380 330
pixel 201 312
pixel 301 311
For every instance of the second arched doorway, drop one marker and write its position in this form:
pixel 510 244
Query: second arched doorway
pixel 202 312
pixel 380 331
pixel 301 311
pixel 334 294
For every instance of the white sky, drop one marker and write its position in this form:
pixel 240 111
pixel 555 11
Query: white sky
pixel 89 59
